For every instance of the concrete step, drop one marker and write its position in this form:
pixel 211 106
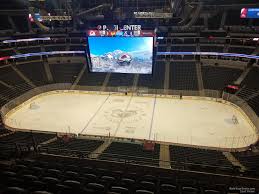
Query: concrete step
pixel 49 141
pixel 78 77
pixel 95 154
pixel 164 156
pixel 231 158
pixel 106 81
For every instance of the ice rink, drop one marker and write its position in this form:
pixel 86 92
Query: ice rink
pixel 195 122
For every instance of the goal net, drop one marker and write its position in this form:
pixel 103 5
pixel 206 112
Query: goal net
pixel 235 120
pixel 34 106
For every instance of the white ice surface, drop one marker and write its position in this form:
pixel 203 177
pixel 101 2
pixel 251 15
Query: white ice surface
pixel 195 122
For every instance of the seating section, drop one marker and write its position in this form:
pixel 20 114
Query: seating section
pixel 55 48
pixel 156 80
pixel 211 48
pixel 250 89
pixel 254 103
pixel 183 76
pixel 9 76
pixel 183 48
pixel 242 50
pixel 118 79
pixel 35 72
pixel 3 130
pixel 145 81
pixel 131 152
pixel 252 79
pixel 12 85
pixel 246 93
pixel 92 79
pixel 7 52
pixel 78 147
pixel 216 78
pixel 249 160
pixel 49 176
pixel 2 99
pixel 195 156
pixel 77 47
pixel 158 75
pixel 25 50
pixel 8 94
pixel 251 96
pixel 65 73
pixel 18 141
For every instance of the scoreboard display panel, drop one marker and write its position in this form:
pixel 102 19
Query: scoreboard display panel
pixel 249 13
pixel 128 50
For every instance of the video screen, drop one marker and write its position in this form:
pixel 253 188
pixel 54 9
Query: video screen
pixel 121 54
pixel 249 13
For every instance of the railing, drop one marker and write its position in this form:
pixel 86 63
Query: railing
pixel 231 142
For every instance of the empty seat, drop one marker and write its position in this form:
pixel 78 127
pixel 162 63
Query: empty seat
pixel 149 177
pixel 101 171
pixel 96 187
pixel 50 180
pixel 189 190
pixel 211 192
pixel 121 190
pixel 107 180
pixel 15 190
pixel 8 174
pixel 128 183
pixel 20 167
pixel 168 188
pixel 73 168
pixel 53 173
pixel 37 170
pixel 71 175
pixel 38 186
pixel 148 185
pixel 14 182
pixel 116 174
pixel 144 192
pixel 63 189
pixel 72 184
pixel 29 178
pixel 87 170
pixel 90 177
pixel 51 183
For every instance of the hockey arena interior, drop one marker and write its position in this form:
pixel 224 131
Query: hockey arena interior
pixel 129 96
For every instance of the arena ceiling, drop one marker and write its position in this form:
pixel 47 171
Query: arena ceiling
pixel 83 11
pixel 19 4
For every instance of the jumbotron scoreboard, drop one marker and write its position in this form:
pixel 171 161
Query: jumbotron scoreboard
pixel 120 49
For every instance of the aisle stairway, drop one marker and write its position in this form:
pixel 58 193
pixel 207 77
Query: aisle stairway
pixel 164 157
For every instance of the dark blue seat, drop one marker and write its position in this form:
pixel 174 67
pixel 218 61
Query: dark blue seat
pixel 15 190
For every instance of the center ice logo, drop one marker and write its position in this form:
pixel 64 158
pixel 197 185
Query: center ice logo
pixel 129 116
pixel 118 113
